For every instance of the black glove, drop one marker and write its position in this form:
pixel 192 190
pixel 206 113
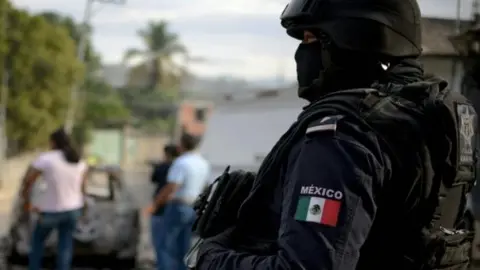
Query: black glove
pixel 214 216
pixel 212 245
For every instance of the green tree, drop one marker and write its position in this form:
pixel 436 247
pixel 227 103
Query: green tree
pixel 104 104
pixel 92 58
pixel 100 103
pixel 153 86
pixel 160 45
pixel 42 64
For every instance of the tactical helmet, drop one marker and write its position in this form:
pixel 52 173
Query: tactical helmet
pixel 387 27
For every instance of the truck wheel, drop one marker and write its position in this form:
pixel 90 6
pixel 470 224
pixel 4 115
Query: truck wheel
pixel 126 264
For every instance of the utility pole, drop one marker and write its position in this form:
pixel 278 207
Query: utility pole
pixel 81 51
pixel 458 25
pixel 3 94
pixel 280 80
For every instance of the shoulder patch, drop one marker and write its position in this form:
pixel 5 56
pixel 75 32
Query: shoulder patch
pixel 467 126
pixel 328 123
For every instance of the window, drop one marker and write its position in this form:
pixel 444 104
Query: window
pixel 200 114
pixel 98 184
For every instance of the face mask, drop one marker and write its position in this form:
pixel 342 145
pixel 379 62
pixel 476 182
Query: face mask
pixel 309 63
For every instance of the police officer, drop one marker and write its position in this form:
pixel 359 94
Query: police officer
pixel 355 183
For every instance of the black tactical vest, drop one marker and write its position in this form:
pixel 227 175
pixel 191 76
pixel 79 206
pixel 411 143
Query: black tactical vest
pixel 429 133
pixel 431 138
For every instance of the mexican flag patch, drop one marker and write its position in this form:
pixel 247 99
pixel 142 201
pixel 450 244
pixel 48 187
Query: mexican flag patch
pixel 318 210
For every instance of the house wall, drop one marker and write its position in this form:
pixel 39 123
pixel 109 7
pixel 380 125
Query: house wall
pixel 148 147
pixel 130 148
pixel 240 133
pixel 187 120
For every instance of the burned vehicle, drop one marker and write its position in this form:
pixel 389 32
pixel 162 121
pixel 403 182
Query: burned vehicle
pixel 107 236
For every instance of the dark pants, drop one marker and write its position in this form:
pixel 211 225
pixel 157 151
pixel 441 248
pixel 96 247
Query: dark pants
pixel 64 223
pixel 178 221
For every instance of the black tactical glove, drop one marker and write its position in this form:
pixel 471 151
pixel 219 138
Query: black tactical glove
pixel 215 244
pixel 217 207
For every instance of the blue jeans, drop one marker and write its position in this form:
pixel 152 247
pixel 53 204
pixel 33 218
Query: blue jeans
pixel 64 223
pixel 178 220
pixel 157 228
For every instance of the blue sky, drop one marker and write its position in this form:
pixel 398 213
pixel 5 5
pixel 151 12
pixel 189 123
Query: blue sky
pixel 240 38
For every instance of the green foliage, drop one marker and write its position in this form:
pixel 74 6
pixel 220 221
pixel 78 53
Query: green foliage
pixel 82 134
pixel 103 104
pixel 152 109
pixel 91 57
pixel 152 91
pixel 40 54
pixel 100 103
pixel 42 64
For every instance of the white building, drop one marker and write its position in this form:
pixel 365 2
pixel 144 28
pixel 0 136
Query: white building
pixel 241 132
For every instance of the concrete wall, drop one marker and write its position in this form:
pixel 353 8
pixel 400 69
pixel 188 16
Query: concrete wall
pixel 15 170
pixel 148 147
pixel 187 120
pixel 130 148
pixel 241 132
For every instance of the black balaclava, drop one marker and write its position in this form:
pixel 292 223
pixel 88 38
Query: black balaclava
pixel 309 63
pixel 343 70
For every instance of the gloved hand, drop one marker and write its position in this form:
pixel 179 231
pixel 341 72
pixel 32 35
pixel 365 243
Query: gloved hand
pixel 221 212
pixel 215 244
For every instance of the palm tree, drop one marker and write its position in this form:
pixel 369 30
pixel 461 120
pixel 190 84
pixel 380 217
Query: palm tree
pixel 160 47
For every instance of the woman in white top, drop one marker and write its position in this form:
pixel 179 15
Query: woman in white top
pixel 61 204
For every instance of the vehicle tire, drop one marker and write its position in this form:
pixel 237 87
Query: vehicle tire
pixel 126 264
pixel 12 257
pixel 87 229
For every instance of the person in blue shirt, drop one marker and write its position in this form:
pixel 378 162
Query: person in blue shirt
pixel 159 179
pixel 187 177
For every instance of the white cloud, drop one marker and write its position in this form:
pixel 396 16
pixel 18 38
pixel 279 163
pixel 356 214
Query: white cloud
pixel 240 37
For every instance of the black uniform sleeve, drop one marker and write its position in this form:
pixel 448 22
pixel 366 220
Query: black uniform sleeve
pixel 328 205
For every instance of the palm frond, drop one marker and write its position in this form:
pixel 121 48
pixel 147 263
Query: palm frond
pixel 161 45
pixel 131 53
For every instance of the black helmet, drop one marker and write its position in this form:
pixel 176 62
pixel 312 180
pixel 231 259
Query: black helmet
pixel 388 27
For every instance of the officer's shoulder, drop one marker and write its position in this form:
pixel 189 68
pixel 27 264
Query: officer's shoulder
pixel 325 125
pixel 345 130
pixel 340 127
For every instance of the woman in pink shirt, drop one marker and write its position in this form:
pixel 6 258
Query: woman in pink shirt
pixel 60 206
